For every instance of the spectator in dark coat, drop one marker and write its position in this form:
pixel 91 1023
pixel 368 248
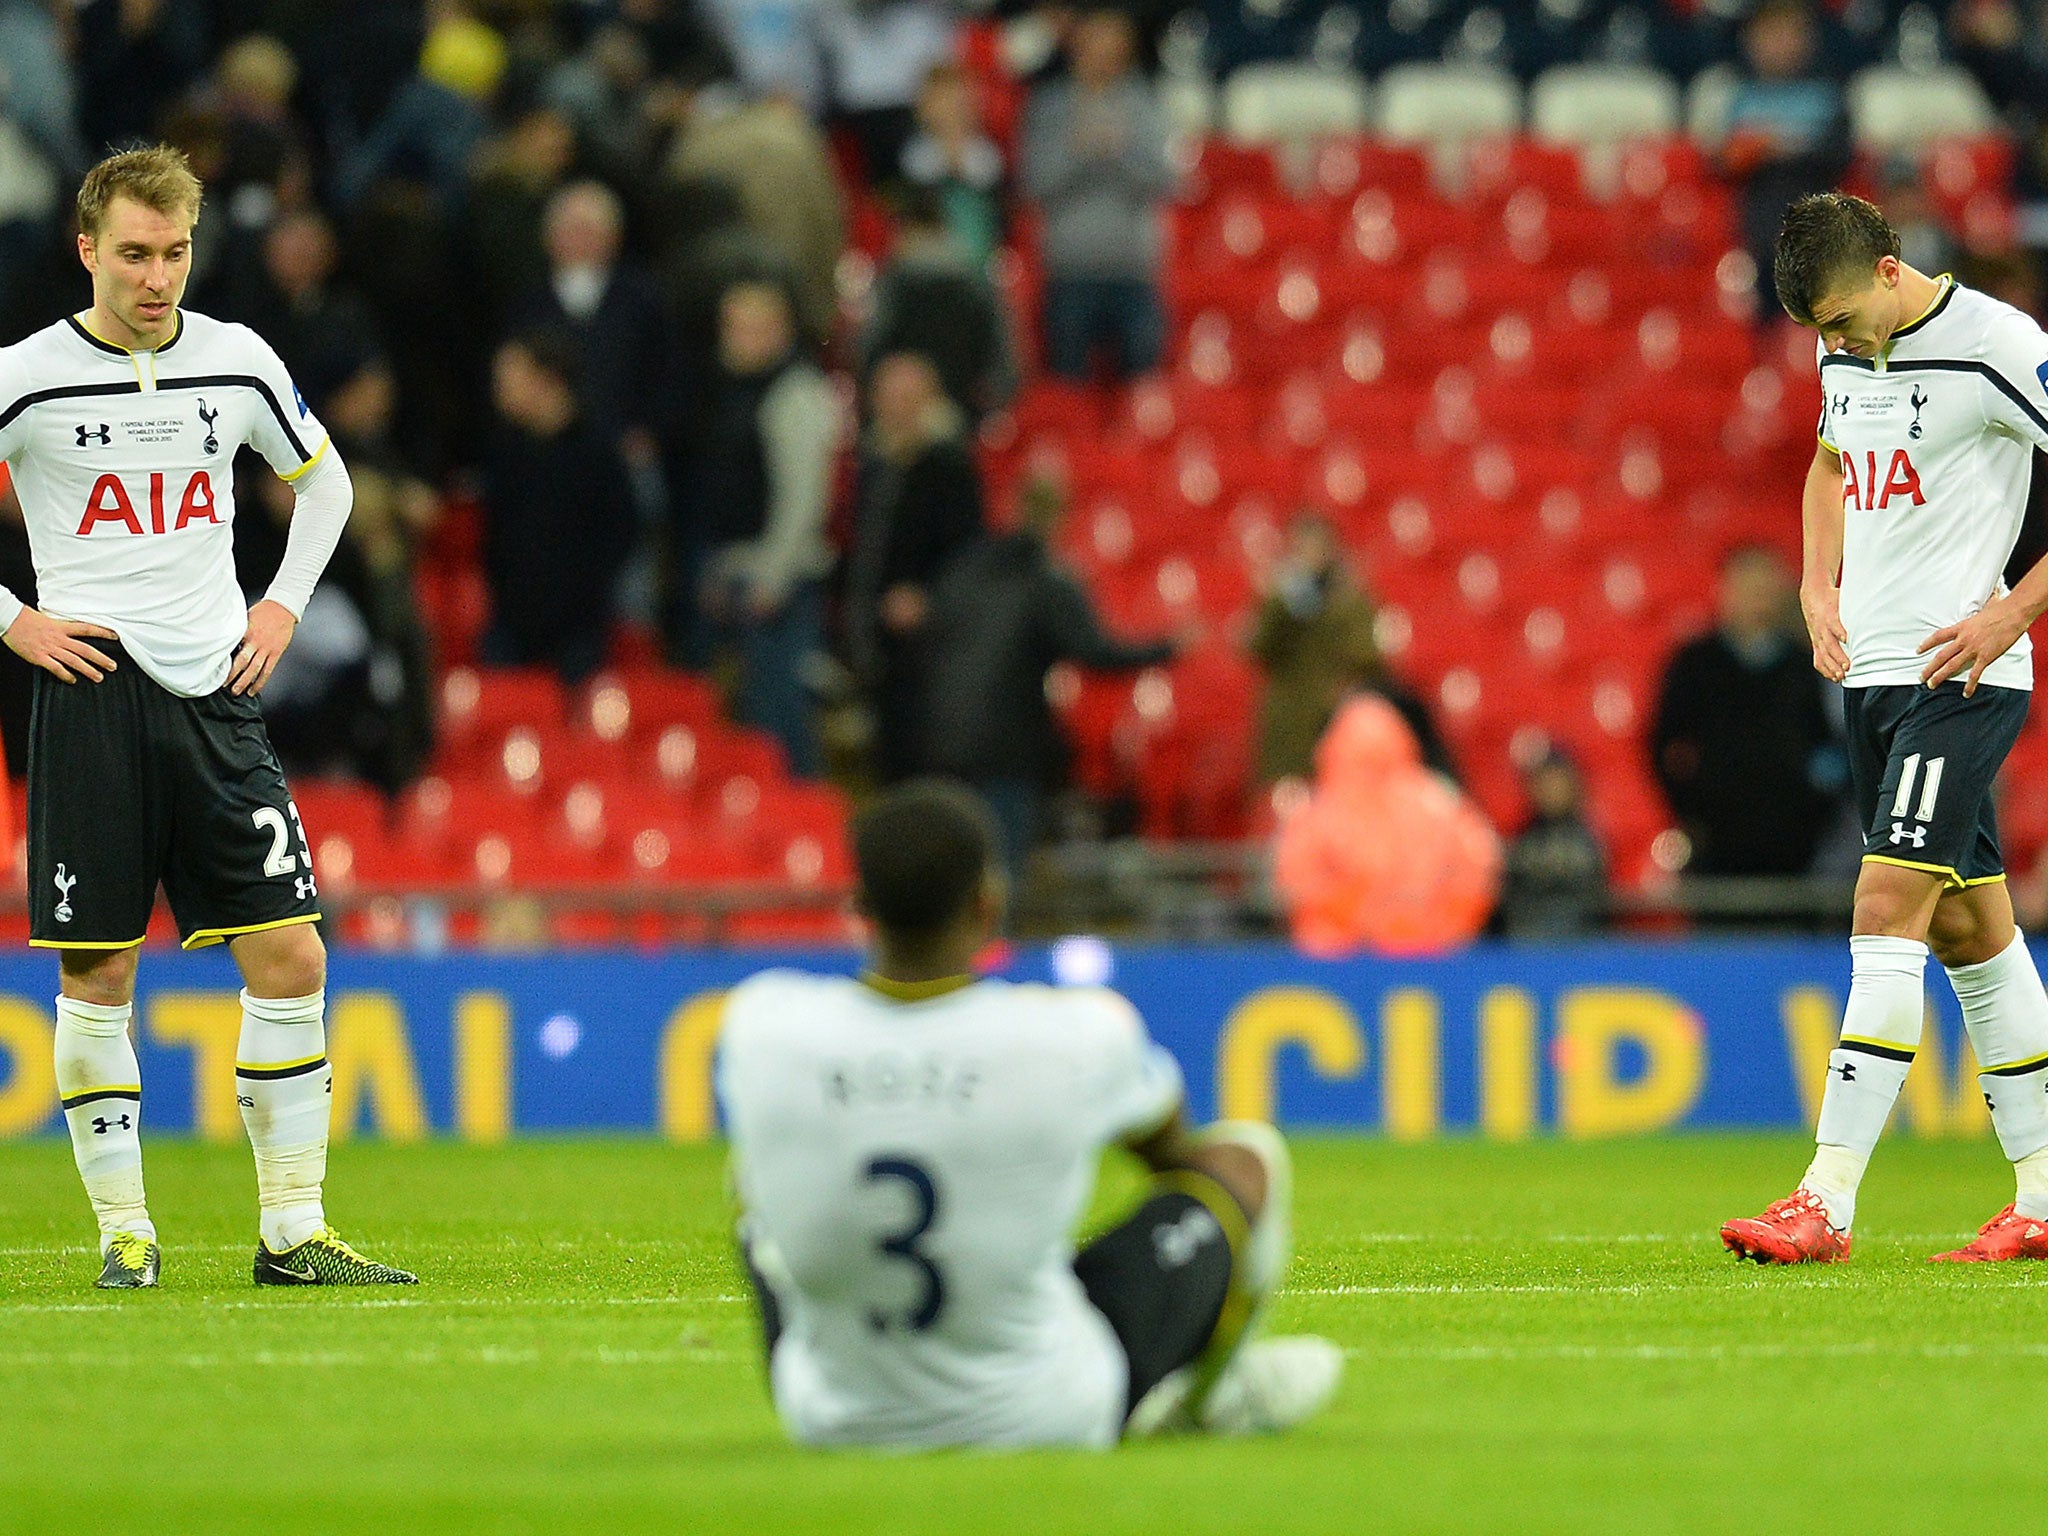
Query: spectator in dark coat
pixel 764 484
pixel 1743 742
pixel 320 327
pixel 934 299
pixel 1002 613
pixel 917 502
pixel 512 179
pixel 613 310
pixel 1556 875
pixel 558 516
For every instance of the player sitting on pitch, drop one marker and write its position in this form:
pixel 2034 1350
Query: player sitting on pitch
pixel 913 1150
pixel 1935 398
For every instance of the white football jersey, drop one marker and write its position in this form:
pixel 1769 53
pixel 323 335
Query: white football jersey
pixel 1936 438
pixel 124 464
pixel 911 1174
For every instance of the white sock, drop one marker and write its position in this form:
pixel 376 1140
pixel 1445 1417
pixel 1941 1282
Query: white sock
pixel 1880 1033
pixel 100 1085
pixel 283 1083
pixel 2005 1011
pixel 2031 1174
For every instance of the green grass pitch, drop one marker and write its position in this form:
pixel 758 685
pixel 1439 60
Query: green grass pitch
pixel 1543 1338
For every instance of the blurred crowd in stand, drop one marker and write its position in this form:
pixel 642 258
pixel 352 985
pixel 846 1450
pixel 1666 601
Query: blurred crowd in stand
pixel 591 294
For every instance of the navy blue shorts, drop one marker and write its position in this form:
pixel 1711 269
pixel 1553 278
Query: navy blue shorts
pixel 131 786
pixel 1923 761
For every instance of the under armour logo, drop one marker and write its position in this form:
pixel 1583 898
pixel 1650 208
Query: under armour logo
pixel 1841 406
pixel 1917 399
pixel 101 1125
pixel 1178 1242
pixel 303 885
pixel 64 883
pixel 207 419
pixel 1847 1071
pixel 101 434
pixel 1901 833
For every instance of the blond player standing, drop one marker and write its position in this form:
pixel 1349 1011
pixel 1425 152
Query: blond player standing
pixel 1935 399
pixel 148 761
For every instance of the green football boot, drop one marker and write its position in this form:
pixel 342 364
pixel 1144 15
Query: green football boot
pixel 324 1259
pixel 132 1263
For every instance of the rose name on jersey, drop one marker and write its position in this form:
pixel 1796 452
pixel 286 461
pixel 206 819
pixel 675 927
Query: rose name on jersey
pixel 111 503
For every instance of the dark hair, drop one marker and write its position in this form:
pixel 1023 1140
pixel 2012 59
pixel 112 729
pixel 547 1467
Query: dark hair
pixel 1829 240
pixel 553 349
pixel 921 850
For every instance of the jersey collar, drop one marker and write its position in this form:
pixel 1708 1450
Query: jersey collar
pixel 1948 291
pixel 114 350
pixel 914 991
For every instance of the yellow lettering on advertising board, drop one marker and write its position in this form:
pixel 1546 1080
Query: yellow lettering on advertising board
pixel 483 1066
pixel 371 1054
pixel 28 1097
pixel 1411 1074
pixel 1270 1021
pixel 688 1043
pixel 1592 1024
pixel 1507 1064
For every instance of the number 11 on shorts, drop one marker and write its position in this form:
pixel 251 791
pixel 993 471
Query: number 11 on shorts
pixel 1930 787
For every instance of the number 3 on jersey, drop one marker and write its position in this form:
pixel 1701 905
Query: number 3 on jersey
pixel 901 1246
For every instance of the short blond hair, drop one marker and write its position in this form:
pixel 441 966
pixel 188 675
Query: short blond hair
pixel 157 177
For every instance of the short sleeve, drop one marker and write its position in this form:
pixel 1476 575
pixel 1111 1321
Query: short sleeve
pixel 285 432
pixel 1138 1085
pixel 1822 429
pixel 2017 353
pixel 14 406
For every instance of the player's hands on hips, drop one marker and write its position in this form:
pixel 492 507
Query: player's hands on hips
pixel 1822 608
pixel 1973 644
pixel 270 631
pixel 58 645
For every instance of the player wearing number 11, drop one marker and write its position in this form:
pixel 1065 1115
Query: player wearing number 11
pixel 147 758
pixel 913 1151
pixel 1935 398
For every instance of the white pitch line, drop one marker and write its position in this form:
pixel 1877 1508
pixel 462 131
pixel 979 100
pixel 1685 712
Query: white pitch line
pixel 1655 1353
pixel 488 1355
pixel 1456 1289
pixel 367 1303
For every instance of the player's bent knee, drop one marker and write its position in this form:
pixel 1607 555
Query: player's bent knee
pixel 282 962
pixel 1896 902
pixel 1971 927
